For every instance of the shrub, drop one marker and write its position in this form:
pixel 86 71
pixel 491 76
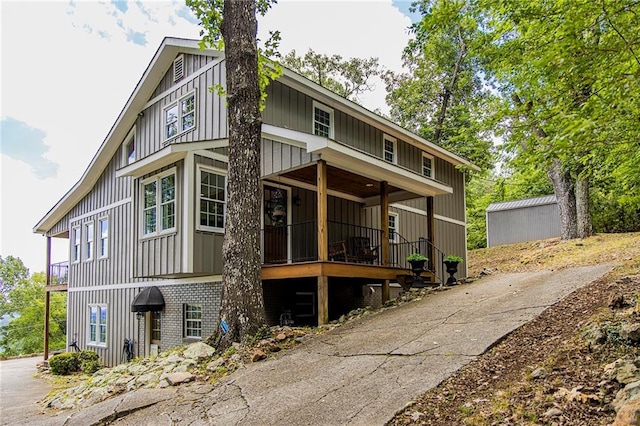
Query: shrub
pixel 89 362
pixel 64 364
pixel 416 257
pixel 453 258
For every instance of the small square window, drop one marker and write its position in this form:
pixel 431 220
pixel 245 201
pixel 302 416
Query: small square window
pixel 389 149
pixel 180 116
pixel 322 120
pixel 427 165
pixel 193 321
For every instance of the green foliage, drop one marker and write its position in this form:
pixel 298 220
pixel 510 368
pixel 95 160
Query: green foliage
pixel 346 77
pixel 25 303
pixel 416 257
pixel 89 361
pixel 453 258
pixel 65 363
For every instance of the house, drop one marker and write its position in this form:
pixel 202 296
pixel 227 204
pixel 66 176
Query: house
pixel 523 220
pixel 347 196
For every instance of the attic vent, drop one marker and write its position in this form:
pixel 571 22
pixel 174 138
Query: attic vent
pixel 178 68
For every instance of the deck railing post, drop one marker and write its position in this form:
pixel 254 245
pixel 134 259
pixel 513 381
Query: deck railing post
pixel 384 222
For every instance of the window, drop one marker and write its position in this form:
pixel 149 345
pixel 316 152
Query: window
pixel 180 116
pixel 89 241
pixel 427 165
pixel 98 325
pixel 193 321
pixel 103 248
pixel 130 151
pixel 159 204
pixel 322 120
pixel 75 250
pixel 156 323
pixel 389 149
pixel 213 199
pixel 393 227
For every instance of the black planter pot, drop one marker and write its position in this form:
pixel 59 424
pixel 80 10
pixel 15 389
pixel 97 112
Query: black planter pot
pixel 452 268
pixel 417 267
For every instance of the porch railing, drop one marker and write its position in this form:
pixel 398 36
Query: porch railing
pixel 59 273
pixel 401 249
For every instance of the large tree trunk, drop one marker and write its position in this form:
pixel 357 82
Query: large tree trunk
pixel 585 228
pixel 242 301
pixel 563 188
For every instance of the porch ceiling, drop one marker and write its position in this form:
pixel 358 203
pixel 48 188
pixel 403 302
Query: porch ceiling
pixel 341 181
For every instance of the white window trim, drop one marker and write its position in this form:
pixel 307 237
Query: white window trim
pixel 130 138
pixel 393 140
pixel 326 109
pixel 210 169
pixel 76 233
pixel 99 240
pixel 89 256
pixel 97 343
pixel 433 165
pixel 184 320
pixel 394 240
pixel 157 178
pixel 177 103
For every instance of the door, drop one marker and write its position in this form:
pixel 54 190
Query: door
pixel 155 322
pixel 276 224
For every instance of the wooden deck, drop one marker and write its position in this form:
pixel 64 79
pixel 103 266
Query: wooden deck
pixel 331 269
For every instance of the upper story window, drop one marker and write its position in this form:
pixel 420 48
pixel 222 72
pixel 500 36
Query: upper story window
pixel 427 165
pixel 212 199
pixel 98 325
pixel 89 241
pixel 389 149
pixel 180 116
pixel 159 203
pixel 75 249
pixel 129 148
pixel 322 120
pixel 103 247
pixel 393 227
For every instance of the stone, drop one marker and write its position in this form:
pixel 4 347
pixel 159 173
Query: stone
pixel 280 337
pixel 539 373
pixel 616 301
pixel 178 378
pixel 552 412
pixel 628 415
pixel 198 350
pixel 630 392
pixel 627 373
pixel 258 355
pixel 630 332
pixel 146 379
pixel 174 359
pixel 213 365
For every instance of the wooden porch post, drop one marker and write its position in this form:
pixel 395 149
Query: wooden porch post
pixel 431 224
pixel 47 300
pixel 384 222
pixel 323 243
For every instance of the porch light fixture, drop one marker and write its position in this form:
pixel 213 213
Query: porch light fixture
pixel 369 185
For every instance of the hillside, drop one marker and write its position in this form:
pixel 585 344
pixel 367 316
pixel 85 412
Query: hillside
pixel 557 368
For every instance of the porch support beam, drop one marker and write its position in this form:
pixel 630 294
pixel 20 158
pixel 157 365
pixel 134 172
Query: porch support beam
pixel 323 299
pixel 385 291
pixel 431 226
pixel 323 232
pixel 384 222
pixel 47 300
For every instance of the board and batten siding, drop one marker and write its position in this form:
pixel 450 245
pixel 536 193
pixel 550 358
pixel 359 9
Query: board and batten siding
pixel 211 112
pixel 191 64
pixel 277 157
pixel 450 205
pixel 451 239
pixel 523 224
pixel 161 254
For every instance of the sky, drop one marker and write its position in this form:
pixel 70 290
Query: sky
pixel 68 68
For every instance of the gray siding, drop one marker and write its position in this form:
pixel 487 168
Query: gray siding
pixel 277 157
pixel 452 205
pixel 192 63
pixel 525 224
pixel 287 108
pixel 451 239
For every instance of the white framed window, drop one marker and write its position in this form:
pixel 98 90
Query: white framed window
pixel 389 149
pixel 427 165
pixel 75 247
pixel 322 120
pixel 212 199
pixel 88 242
pixel 129 148
pixel 158 203
pixel 98 325
pixel 193 321
pixel 103 242
pixel 393 227
pixel 180 116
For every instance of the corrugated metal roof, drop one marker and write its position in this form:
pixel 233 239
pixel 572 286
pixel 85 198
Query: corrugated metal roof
pixel 519 204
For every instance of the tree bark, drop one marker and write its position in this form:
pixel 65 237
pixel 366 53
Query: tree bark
pixel 242 300
pixel 565 195
pixel 584 225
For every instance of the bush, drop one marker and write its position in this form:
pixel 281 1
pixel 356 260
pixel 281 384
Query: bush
pixel 89 362
pixel 64 364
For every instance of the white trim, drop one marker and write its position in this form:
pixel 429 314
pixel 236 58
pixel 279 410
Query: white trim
pixel 433 165
pixel 188 212
pixel 448 219
pixel 179 130
pixel 97 343
pixel 99 240
pixel 217 171
pixel 145 284
pixel 76 233
pixel 409 209
pixel 310 187
pixel 394 143
pixel 89 255
pixel 212 155
pixel 100 210
pixel 128 139
pixel 286 136
pixel 329 111
pixel 158 206
pixel 396 229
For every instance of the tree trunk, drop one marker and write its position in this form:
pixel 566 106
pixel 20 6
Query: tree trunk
pixel 563 187
pixel 585 228
pixel 242 300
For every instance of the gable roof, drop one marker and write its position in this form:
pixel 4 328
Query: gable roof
pixel 160 63
pixel 520 204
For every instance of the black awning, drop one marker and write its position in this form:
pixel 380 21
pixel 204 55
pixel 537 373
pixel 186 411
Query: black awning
pixel 148 300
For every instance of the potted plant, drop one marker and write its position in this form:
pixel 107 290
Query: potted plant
pixel 417 261
pixel 451 262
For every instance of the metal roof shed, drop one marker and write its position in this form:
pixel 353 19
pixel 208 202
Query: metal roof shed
pixel 523 220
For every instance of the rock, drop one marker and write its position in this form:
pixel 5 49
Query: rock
pixel 595 336
pixel 213 365
pixel 627 373
pixel 539 373
pixel 630 332
pixel 616 301
pixel 630 392
pixel 174 359
pixel 147 379
pixel 177 378
pixel 552 412
pixel 258 355
pixel 280 337
pixel 629 415
pixel 198 350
